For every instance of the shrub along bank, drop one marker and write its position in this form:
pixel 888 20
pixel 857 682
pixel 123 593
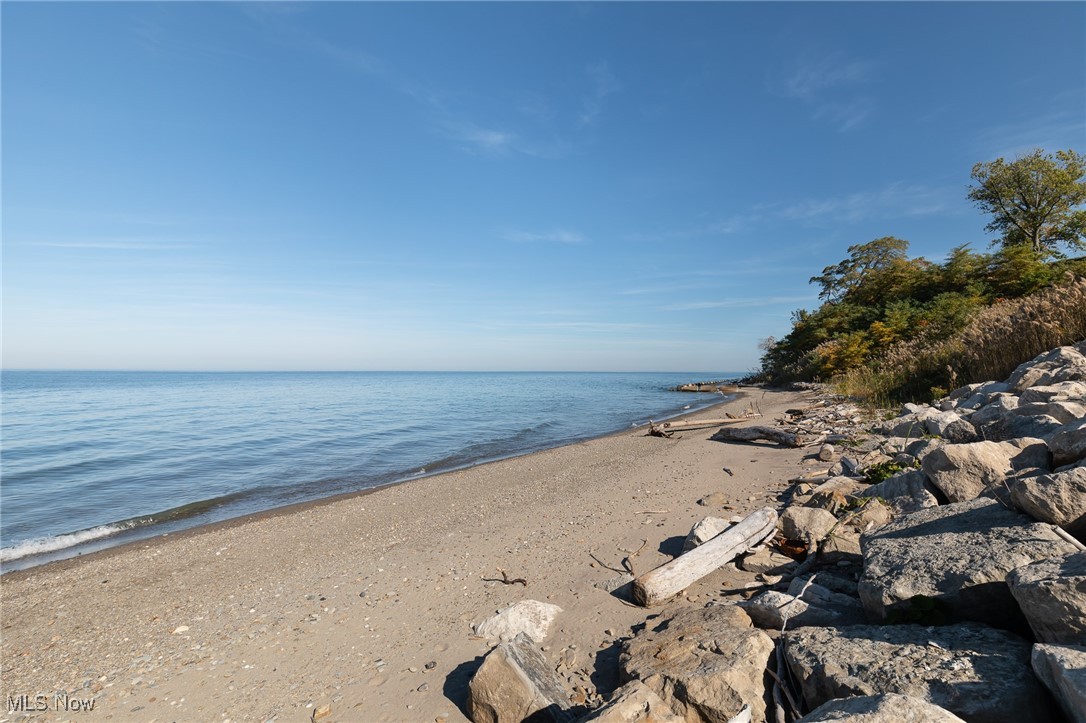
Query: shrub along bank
pixel 894 328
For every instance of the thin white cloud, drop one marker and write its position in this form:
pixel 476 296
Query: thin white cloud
pixel 604 84
pixel 445 118
pixel 894 201
pixel 740 303
pixel 594 326
pixel 814 76
pixel 111 245
pixel 529 327
pixel 666 288
pixel 828 86
pixel 561 236
pixel 477 138
pixel 935 113
pixel 846 115
pixel 536 107
pixel 722 227
pixel 1054 131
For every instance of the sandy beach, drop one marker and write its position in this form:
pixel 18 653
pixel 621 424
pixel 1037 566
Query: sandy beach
pixel 366 603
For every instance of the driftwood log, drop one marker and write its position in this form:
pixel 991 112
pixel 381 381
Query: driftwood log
pixel 750 434
pixel 673 577
pixel 693 424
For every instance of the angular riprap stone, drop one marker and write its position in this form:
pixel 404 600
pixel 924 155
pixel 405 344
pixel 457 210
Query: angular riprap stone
pixel 1058 498
pixel 514 684
pixel 1052 594
pixel 976 672
pixel 705 663
pixel 952 562
pixel 885 708
pixel 1062 668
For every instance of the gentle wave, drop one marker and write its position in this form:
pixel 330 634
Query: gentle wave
pixel 123 456
pixel 45 545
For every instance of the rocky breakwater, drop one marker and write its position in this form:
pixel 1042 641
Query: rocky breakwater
pixel 722 387
pixel 934 570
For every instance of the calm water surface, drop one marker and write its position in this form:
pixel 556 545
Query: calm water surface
pixel 92 459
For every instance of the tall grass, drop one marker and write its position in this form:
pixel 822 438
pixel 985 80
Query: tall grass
pixel 995 340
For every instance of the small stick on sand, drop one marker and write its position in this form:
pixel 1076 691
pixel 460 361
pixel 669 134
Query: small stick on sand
pixel 605 566
pixel 506 580
pixel 627 562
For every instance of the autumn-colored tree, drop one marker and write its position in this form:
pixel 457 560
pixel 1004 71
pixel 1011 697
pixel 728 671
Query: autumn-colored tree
pixel 878 298
pixel 1034 199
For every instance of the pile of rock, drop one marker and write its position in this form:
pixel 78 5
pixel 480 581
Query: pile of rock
pixel 722 387
pixel 944 579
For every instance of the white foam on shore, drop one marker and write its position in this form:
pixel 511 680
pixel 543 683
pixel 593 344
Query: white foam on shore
pixel 41 545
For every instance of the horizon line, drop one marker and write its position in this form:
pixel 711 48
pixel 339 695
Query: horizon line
pixel 362 371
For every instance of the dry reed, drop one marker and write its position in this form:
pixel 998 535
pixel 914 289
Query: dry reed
pixel 995 341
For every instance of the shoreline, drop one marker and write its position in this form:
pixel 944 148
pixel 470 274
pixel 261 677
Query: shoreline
pixel 342 601
pixel 133 535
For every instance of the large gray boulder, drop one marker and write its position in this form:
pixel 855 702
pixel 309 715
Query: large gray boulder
pixel 767 561
pixel 952 561
pixel 872 513
pixel 1069 444
pixel 1065 363
pixel 910 423
pixel 993 413
pixel 1064 412
pixel 905 492
pixel 834 494
pixel 885 708
pixel 1052 594
pixel 633 703
pixel 1064 391
pixel 1062 668
pixel 705 663
pixel 704 531
pixel 514 684
pixel 965 471
pixel 805 603
pixel 531 617
pixel 976 672
pixel 981 394
pixel 775 610
pixel 1028 453
pixel 806 524
pixel 1014 426
pixel 920 448
pixel 950 426
pixel 1057 497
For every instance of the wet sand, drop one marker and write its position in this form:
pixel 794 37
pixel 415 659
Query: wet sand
pixel 366 603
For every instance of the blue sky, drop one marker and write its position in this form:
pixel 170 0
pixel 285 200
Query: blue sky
pixel 514 186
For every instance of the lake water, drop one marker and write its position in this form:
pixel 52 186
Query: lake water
pixel 93 459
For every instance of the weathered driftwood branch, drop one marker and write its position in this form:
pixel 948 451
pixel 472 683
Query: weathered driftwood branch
pixel 750 434
pixel 1067 536
pixel 694 423
pixel 813 477
pixel 655 431
pixel 627 562
pixel 506 580
pixel 673 577
pixel 605 566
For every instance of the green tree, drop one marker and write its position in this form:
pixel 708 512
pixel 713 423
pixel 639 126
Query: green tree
pixel 1034 199
pixel 1017 270
pixel 840 279
pixel 962 269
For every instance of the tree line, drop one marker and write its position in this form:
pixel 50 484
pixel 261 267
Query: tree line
pixel 879 297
